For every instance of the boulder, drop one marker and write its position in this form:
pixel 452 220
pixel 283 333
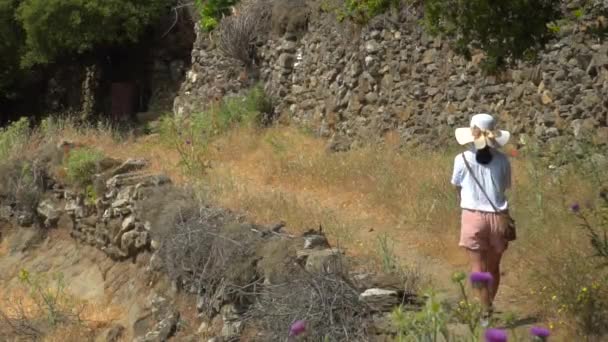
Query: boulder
pixel 136 178
pixel 130 165
pixel 380 299
pixel 164 329
pixel 233 324
pixel 372 47
pixel 323 261
pixel 25 218
pixel 128 224
pixel 315 241
pixel 49 212
pixel 133 241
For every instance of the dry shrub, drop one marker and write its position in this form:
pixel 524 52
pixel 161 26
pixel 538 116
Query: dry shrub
pixel 41 308
pixel 203 250
pixel 278 260
pixel 239 33
pixel 166 206
pixel 328 303
pixel 22 183
pixel 289 16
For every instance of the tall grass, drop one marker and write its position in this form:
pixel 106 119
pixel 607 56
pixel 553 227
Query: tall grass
pixel 191 136
pixel 14 137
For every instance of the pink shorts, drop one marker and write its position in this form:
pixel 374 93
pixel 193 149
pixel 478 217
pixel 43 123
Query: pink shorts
pixel 481 231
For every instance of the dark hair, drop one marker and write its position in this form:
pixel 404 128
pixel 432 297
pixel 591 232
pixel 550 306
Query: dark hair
pixel 484 156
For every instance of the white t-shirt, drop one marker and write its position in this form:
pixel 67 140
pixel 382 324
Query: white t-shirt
pixel 495 178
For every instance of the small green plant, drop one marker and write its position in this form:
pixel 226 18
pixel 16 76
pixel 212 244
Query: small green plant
pixel 82 165
pixel 49 307
pixel 467 311
pixel 362 11
pixel 48 294
pixel 429 324
pixel 387 255
pixel 90 194
pixel 554 27
pixel 212 11
pixel 574 294
pixel 594 221
pixel 14 137
pixel 191 136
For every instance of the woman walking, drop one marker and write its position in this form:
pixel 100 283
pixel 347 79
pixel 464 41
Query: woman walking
pixel 481 175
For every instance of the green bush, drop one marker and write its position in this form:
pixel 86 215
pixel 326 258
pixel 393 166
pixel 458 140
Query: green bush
pixel 56 28
pixel 362 11
pixel 212 11
pixel 358 11
pixel 39 32
pixel 82 165
pixel 504 30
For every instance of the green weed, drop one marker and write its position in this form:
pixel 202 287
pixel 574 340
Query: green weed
pixel 82 164
pixel 14 137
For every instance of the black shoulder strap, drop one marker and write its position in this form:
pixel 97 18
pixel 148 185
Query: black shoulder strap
pixel 478 183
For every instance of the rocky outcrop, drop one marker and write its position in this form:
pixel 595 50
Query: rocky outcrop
pixel 393 77
pixel 113 223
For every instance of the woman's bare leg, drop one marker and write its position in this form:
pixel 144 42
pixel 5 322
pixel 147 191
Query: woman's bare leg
pixel 479 263
pixel 493 263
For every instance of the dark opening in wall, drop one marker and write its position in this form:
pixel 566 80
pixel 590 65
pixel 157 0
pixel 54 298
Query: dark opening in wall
pixel 145 78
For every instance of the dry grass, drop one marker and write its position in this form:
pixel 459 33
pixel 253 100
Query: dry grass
pixel 18 304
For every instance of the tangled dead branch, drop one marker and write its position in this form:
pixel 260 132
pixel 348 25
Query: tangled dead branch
pixel 329 304
pixel 208 254
pixel 45 309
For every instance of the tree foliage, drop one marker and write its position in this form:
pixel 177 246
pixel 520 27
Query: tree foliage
pixel 40 32
pixel 54 28
pixel 212 11
pixel 503 29
pixel 11 42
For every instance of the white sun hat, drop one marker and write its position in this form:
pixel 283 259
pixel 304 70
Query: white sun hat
pixel 482 132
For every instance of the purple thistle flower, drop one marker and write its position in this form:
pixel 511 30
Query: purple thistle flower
pixel 540 332
pixel 297 328
pixel 188 142
pixel 481 278
pixel 575 207
pixel 496 335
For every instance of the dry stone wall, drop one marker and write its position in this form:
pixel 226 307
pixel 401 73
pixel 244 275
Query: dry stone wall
pixel 393 77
